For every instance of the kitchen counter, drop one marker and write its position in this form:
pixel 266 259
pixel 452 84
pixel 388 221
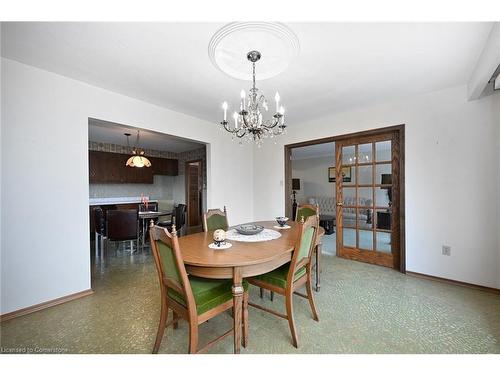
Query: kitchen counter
pixel 116 200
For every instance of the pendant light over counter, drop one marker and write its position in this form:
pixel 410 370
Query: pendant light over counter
pixel 137 159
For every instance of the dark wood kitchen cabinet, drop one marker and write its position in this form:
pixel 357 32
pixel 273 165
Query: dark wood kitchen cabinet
pixel 166 167
pixel 110 168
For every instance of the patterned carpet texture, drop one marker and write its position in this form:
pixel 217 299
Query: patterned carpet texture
pixel 362 309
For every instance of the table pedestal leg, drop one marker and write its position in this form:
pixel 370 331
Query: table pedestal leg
pixel 237 308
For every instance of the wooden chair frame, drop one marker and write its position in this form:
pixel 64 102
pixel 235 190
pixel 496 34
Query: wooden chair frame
pixel 292 285
pixel 211 212
pixel 188 313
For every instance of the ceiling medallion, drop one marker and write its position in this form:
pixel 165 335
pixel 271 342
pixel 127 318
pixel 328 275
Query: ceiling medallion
pixel 273 45
pixel 274 40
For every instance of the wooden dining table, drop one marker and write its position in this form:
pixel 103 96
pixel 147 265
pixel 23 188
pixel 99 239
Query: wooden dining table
pixel 243 259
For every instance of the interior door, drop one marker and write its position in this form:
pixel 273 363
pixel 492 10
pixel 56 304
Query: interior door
pixel 367 191
pixel 193 174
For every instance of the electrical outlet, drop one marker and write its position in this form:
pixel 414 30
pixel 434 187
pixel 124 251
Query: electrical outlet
pixel 446 250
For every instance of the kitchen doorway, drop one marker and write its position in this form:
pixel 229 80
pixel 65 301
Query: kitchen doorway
pixel 194 196
pixel 124 199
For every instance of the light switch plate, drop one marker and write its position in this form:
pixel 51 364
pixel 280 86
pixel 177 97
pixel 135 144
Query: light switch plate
pixel 446 250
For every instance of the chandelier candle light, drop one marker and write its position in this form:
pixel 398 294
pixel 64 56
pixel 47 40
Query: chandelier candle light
pixel 249 120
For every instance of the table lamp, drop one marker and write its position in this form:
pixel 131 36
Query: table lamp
pixel 295 187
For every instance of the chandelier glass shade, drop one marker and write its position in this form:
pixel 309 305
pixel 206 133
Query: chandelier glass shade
pixel 137 159
pixel 249 121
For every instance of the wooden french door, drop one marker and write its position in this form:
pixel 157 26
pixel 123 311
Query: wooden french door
pixel 367 184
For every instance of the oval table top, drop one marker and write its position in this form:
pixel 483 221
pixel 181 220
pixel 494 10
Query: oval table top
pixel 195 250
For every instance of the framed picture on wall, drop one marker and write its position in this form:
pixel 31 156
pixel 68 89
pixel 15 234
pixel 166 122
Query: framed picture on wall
pixel 346 174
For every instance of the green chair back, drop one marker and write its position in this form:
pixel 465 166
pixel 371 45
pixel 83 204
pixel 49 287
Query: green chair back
pixel 306 243
pixel 306 211
pixel 168 263
pixel 304 246
pixel 168 260
pixel 216 222
pixel 215 219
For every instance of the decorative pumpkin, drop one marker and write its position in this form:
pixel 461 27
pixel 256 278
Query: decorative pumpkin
pixel 219 235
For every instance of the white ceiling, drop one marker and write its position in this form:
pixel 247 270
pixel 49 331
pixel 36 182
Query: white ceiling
pixel 340 65
pixel 109 132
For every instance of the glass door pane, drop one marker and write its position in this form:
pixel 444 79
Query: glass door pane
pixel 365 196
pixel 365 175
pixel 382 196
pixel 365 239
pixel 383 174
pixel 348 155
pixel 383 242
pixel 365 153
pixel 383 151
pixel 349 237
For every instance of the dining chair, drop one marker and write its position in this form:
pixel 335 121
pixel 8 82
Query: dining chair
pixel 307 210
pixel 286 279
pixel 99 230
pixel 122 226
pixel 191 298
pixel 165 205
pixel 178 218
pixel 151 206
pixel 215 219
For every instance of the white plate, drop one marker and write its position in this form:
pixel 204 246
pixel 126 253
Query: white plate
pixel 283 227
pixel 227 245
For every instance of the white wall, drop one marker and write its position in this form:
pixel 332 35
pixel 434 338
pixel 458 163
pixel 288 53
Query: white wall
pixel 44 235
pixel 1 184
pixel 496 119
pixel 451 178
pixel 313 174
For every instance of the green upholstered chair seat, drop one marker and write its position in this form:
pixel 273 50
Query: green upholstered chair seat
pixel 279 276
pixel 208 293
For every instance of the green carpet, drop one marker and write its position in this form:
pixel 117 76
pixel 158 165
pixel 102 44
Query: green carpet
pixel 362 309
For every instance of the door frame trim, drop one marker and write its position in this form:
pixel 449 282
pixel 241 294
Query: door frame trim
pixel 186 186
pixel 400 130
